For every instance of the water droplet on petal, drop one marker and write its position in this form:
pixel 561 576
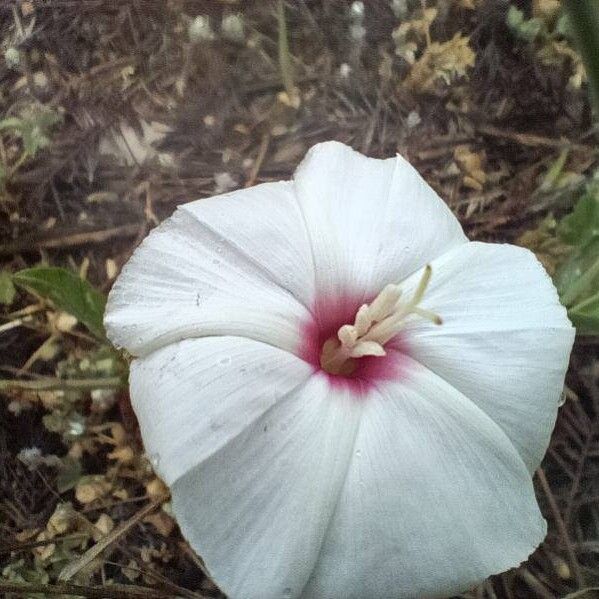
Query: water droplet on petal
pixel 226 360
pixel 358 453
pixel 562 399
pixel 154 459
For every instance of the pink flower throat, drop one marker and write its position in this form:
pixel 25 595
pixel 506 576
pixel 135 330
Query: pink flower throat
pixel 328 314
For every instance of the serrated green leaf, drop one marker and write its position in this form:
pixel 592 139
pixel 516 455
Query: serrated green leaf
pixel 68 292
pixel 7 288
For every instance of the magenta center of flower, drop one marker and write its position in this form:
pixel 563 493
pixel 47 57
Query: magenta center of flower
pixel 355 341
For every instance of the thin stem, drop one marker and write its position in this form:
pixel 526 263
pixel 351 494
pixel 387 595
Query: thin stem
pixel 52 384
pixel 284 56
pixel 119 591
pixel 561 526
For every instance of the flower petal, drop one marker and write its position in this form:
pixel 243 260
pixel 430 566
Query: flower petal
pixel 505 340
pixel 257 510
pixel 370 222
pixel 193 397
pixel 236 264
pixel 435 500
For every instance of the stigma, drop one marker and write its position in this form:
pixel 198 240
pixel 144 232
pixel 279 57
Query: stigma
pixel 375 325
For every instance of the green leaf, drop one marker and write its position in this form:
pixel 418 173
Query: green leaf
pixel 582 225
pixel 68 292
pixel 577 279
pixel 585 316
pixel 584 22
pixel 33 127
pixel 526 29
pixel 69 475
pixel 7 288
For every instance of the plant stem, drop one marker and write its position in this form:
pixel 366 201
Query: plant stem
pixel 117 591
pixel 284 57
pixel 51 384
pixel 584 18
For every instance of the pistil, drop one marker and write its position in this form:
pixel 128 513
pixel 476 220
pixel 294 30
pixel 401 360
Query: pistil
pixel 374 326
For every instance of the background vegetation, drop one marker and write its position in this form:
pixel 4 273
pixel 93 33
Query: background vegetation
pixel 114 112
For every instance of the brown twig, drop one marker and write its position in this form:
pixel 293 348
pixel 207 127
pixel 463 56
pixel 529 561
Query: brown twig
pixel 60 239
pixel 264 143
pixel 533 140
pixel 116 591
pixel 561 527
pixel 51 384
pixel 93 552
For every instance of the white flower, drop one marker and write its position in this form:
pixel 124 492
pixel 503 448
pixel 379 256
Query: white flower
pixel 405 470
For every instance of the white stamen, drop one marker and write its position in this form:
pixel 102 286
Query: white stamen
pixel 375 324
pixel 367 348
pixel 348 335
pixel 363 319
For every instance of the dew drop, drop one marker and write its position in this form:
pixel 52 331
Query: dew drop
pixel 358 453
pixel 226 360
pixel 562 399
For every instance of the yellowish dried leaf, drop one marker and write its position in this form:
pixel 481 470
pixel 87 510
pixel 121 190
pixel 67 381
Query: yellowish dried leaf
pixel 111 269
pixel 90 490
pixel 62 321
pixel 51 399
pixel 547 10
pixel 60 521
pixel 123 455
pixel 471 165
pixel 156 488
pixel 441 62
pixel 410 33
pixel 131 570
pixel 162 522
pixel 121 494
pixel 103 527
